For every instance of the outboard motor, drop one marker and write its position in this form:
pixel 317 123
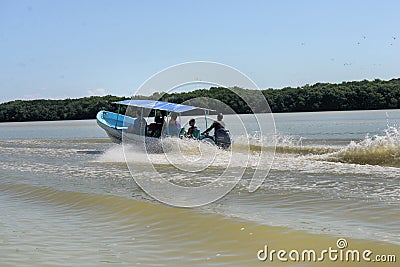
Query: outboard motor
pixel 222 138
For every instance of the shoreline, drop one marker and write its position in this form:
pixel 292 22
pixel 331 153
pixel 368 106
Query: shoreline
pixel 273 114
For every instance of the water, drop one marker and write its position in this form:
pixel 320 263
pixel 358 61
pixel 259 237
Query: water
pixel 67 197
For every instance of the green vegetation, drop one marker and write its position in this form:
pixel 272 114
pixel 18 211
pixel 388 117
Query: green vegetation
pixel 357 95
pixel 362 95
pixel 47 110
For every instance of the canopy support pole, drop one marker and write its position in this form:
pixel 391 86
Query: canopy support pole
pixel 142 131
pixel 116 122
pixel 167 125
pixel 205 117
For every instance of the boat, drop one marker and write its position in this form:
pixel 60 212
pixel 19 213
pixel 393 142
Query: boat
pixel 119 126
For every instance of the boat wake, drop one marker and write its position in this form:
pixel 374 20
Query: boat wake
pixel 376 150
pixel 192 163
pixel 382 150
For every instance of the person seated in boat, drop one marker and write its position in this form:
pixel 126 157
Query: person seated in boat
pixel 139 125
pixel 151 129
pixel 159 124
pixel 174 125
pixel 160 117
pixel 193 131
pixel 217 125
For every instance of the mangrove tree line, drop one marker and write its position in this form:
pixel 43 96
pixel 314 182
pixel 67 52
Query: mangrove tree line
pixel 356 95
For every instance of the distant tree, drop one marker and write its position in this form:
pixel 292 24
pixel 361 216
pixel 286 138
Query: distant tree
pixel 356 95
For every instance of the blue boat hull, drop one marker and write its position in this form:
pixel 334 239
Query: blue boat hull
pixel 116 125
pixel 113 124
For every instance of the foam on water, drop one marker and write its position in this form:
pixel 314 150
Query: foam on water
pixel 377 150
pixel 184 151
pixel 377 155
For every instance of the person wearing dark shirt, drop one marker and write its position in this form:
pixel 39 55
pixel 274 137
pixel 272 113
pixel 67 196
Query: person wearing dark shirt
pixel 159 123
pixel 219 124
pixel 191 131
pixel 160 117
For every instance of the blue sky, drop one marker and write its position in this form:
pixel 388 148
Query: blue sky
pixel 59 49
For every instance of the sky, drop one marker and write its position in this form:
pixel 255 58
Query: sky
pixel 59 49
